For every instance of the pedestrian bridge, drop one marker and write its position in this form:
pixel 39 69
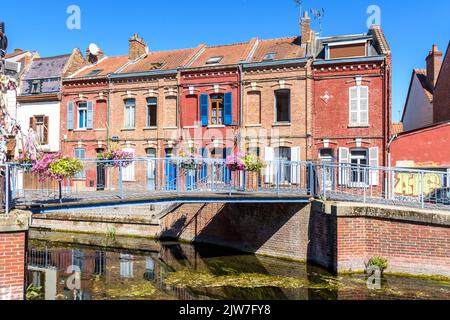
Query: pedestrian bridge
pixel 179 180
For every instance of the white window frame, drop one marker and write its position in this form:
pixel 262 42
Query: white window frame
pixel 82 106
pixel 359 120
pixel 130 116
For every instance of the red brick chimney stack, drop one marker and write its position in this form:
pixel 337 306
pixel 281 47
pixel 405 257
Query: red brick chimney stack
pixel 434 63
pixel 305 26
pixel 138 47
pixel 92 59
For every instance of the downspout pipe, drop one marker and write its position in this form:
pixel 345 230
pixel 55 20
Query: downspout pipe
pixel 108 107
pixel 241 107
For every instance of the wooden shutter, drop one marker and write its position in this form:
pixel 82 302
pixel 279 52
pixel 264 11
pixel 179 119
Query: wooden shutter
pixel 374 163
pixel 354 106
pixel 90 115
pixel 204 106
pixel 364 105
pixel 269 157
pixel 46 130
pixel 344 169
pixel 33 123
pixel 128 173
pixel 228 108
pixel 70 121
pixel 295 165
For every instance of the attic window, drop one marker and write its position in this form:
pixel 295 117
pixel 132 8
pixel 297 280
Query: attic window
pixel 94 73
pixel 214 60
pixel 36 87
pixel 270 56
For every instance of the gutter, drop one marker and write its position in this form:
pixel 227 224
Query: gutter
pixel 348 60
pixel 143 74
pixel 108 115
pixel 274 63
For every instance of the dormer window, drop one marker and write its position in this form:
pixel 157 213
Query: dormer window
pixel 36 87
pixel 214 60
pixel 346 49
pixel 270 56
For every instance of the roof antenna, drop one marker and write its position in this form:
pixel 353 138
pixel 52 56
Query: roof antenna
pixel 299 3
pixel 318 15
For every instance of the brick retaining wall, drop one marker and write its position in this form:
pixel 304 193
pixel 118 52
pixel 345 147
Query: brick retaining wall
pixel 12 265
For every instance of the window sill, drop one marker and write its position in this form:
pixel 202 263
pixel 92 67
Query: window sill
pixel 191 127
pixel 80 130
pixel 218 126
pixel 128 129
pixel 253 126
pixel 150 128
pixel 281 124
pixel 353 126
pixel 170 128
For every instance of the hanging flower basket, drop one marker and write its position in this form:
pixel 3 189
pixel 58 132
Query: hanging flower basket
pixel 115 158
pixel 25 161
pixel 188 160
pixel 57 167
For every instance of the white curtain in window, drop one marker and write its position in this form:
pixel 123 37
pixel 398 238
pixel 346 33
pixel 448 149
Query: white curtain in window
pixel 295 165
pixel 128 173
pixel 269 156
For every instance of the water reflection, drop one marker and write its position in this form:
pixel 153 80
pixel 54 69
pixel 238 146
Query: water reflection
pixel 64 272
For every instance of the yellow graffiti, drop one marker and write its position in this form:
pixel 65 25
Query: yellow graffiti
pixel 409 184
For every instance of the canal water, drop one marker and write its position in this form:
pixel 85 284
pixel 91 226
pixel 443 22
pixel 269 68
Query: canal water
pixel 177 271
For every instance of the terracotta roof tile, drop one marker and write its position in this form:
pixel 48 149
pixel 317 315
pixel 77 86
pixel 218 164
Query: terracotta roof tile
pixel 161 60
pixel 231 54
pixel 14 54
pixel 284 48
pixel 422 76
pixel 104 67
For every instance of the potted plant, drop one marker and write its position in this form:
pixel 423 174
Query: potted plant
pixel 115 158
pixel 57 167
pixel 25 160
pixel 188 160
pixel 376 263
pixel 253 165
pixel 236 162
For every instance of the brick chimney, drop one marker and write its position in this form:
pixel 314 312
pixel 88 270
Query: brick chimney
pixel 305 25
pixel 434 63
pixel 92 59
pixel 138 47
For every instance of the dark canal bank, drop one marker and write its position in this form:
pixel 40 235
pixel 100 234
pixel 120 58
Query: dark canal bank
pixel 101 268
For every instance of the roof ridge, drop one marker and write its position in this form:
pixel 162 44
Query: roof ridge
pixel 228 45
pixel 54 57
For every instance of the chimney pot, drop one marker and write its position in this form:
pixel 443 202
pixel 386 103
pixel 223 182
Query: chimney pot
pixel 434 63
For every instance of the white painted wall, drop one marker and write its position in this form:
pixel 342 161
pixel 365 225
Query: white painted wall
pixel 50 109
pixel 419 110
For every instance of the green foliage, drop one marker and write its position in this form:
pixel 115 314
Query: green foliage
pixel 378 262
pixel 253 163
pixel 66 167
pixel 34 293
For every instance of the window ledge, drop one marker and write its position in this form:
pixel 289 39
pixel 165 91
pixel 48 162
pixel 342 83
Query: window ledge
pixel 150 128
pixel 170 128
pixel 190 127
pixel 79 130
pixel 358 126
pixel 218 126
pixel 281 124
pixel 128 129
pixel 253 125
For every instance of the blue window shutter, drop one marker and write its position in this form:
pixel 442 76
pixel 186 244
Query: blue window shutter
pixel 90 115
pixel 204 106
pixel 228 106
pixel 70 115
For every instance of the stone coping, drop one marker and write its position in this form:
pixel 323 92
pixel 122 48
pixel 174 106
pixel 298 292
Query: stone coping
pixel 386 212
pixel 16 221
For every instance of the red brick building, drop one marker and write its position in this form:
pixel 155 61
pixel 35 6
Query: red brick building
pixel 352 100
pixel 210 93
pixel 85 113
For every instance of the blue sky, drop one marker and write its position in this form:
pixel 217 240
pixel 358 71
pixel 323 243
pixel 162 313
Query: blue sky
pixel 410 26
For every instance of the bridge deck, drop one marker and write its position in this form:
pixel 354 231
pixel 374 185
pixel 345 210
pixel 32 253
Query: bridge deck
pixel 87 200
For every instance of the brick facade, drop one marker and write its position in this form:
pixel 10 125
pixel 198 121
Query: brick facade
pixel 12 265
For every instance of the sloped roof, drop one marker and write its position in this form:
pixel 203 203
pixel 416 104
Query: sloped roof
pixel 16 53
pixel 421 75
pixel 104 67
pixel 160 60
pixel 231 54
pixel 284 48
pixel 43 68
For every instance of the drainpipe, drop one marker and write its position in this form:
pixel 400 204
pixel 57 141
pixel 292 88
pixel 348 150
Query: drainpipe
pixel 389 164
pixel 108 107
pixel 241 107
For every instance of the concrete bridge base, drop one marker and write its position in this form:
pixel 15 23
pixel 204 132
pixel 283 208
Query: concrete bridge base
pixel 339 236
